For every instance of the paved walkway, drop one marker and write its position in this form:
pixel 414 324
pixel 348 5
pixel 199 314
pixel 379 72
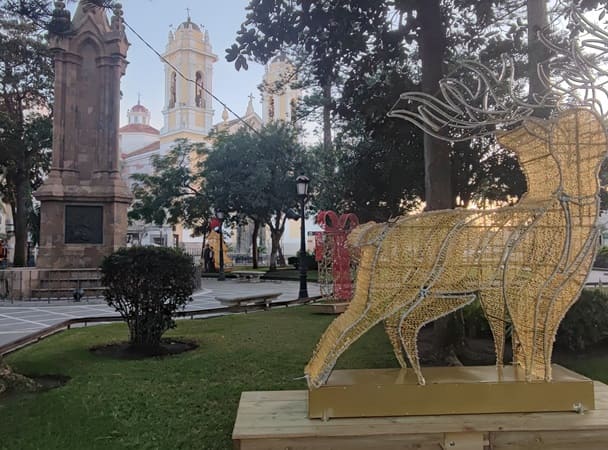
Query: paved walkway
pixel 19 319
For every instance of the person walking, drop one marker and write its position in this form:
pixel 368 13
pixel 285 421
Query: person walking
pixel 207 256
pixel 211 260
pixel 3 254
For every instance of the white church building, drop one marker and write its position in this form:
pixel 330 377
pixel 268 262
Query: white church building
pixel 188 114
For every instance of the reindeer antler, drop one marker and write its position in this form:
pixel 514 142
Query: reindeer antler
pixel 582 80
pixel 462 112
pixel 459 112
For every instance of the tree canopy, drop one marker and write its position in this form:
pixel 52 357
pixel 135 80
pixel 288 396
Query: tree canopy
pixel 247 175
pixel 26 82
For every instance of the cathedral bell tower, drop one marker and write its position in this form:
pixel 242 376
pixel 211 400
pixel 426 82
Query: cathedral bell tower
pixel 188 110
pixel 279 97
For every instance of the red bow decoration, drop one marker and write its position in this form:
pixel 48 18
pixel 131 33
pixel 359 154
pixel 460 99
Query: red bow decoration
pixel 337 229
pixel 215 223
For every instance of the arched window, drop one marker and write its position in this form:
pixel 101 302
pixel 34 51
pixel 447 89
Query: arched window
pixel 173 92
pixel 199 97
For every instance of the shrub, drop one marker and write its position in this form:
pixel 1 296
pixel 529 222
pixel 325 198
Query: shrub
pixel 146 285
pixel 586 323
pixel 475 323
pixel 311 262
pixel 601 260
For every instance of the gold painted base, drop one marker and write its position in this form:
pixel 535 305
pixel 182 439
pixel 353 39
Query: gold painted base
pixel 449 390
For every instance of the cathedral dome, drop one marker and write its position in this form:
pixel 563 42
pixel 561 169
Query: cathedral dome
pixel 188 24
pixel 139 108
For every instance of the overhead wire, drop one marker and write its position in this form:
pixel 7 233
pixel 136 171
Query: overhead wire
pixel 109 6
pixel 177 71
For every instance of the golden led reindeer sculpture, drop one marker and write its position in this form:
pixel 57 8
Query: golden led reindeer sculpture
pixel 529 260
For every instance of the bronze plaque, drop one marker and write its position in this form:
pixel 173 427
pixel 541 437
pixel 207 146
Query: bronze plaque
pixel 83 224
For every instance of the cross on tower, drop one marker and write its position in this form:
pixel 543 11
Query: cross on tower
pixel 188 11
pixel 139 98
pixel 250 97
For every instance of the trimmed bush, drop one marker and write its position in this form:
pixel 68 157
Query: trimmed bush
pixel 146 285
pixel 311 262
pixel 586 323
pixel 601 260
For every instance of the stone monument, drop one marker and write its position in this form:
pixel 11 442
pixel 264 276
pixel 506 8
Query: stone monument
pixel 84 201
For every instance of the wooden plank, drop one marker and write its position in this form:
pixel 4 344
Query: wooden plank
pixel 386 442
pixel 282 415
pixel 553 440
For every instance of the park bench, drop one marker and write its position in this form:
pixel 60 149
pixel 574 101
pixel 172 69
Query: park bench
pixel 249 300
pixel 248 275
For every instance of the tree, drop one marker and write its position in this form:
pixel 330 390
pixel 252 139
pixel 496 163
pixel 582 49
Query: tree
pixel 147 285
pixel 323 36
pixel 174 191
pixel 235 173
pixel 253 175
pixel 26 81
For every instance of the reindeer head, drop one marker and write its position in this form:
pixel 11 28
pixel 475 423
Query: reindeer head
pixel 578 142
pixel 530 142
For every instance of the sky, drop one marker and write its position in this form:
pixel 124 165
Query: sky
pixel 153 19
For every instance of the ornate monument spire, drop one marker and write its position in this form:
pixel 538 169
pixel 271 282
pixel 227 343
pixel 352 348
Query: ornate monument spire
pixel 84 201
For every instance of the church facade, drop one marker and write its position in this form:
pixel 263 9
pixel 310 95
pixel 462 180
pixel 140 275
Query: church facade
pixel 188 114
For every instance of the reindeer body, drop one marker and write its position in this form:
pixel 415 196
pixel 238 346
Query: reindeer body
pixel 531 258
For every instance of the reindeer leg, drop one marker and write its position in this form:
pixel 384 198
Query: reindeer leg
pixel 495 310
pixel 343 331
pixel 429 309
pixel 391 325
pixel 410 328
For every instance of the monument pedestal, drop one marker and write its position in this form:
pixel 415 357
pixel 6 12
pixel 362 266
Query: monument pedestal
pixel 279 420
pixel 81 223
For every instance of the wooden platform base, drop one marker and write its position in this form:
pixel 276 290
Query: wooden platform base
pixel 329 308
pixel 279 420
pixel 448 390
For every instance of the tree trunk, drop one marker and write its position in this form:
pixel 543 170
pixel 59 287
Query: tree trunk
pixel 438 172
pixel 537 52
pixel 254 243
pixel 276 233
pixel 280 257
pixel 327 116
pixel 437 167
pixel 20 215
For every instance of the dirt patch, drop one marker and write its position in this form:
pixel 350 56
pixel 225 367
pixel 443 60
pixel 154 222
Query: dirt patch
pixel 20 385
pixel 124 350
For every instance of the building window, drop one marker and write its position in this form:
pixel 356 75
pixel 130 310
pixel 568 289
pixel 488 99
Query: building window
pixel 199 96
pixel 173 92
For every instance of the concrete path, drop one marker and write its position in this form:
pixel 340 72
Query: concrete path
pixel 19 319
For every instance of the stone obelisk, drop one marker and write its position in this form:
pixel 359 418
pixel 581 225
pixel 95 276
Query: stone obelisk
pixel 84 201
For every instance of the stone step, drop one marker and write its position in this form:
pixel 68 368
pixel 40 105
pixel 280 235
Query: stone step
pixel 66 293
pixel 70 274
pixel 70 283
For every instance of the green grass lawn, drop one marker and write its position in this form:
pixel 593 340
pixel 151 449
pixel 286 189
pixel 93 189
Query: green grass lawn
pixel 291 274
pixel 179 402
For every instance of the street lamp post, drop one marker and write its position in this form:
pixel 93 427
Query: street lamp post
pixel 302 186
pixel 220 215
